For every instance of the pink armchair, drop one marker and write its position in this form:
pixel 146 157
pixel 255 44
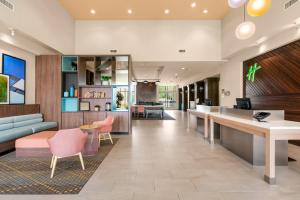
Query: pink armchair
pixel 66 143
pixel 105 128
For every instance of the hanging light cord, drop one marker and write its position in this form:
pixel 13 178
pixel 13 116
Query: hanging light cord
pixel 244 13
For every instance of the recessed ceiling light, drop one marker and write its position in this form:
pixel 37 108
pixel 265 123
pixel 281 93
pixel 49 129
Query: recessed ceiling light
pixel 167 11
pixel 92 11
pixel 205 11
pixel 193 5
pixel 129 11
pixel 182 68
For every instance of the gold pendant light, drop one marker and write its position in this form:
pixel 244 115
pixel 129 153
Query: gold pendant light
pixel 257 8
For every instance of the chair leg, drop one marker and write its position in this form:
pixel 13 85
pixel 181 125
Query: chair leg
pixel 52 160
pixel 54 165
pixel 81 160
pixel 109 135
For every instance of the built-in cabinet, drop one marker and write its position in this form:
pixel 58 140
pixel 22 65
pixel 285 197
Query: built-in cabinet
pixel 75 90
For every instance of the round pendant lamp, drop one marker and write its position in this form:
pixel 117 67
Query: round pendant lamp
pixel 257 8
pixel 245 30
pixel 236 3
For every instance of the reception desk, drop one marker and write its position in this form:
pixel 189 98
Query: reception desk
pixel 198 119
pixel 268 139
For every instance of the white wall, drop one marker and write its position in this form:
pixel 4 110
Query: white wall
pixel 43 20
pixel 151 40
pixel 231 71
pixel 30 68
pixel 276 20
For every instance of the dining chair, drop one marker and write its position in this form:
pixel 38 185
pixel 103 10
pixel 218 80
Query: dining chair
pixel 105 128
pixel 133 110
pixel 141 110
pixel 66 143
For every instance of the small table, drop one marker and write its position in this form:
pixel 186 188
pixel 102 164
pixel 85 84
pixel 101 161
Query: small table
pixel 92 144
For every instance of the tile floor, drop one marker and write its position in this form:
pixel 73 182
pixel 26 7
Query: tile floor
pixel 162 160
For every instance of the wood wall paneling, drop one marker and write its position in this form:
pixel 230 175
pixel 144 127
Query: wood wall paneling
pixel 14 110
pixel 277 82
pixel 211 87
pixel 71 120
pixel 200 92
pixel 90 117
pixel 185 98
pixel 48 86
pixel 121 122
pixel 180 98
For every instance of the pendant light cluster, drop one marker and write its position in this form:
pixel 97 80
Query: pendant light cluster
pixel 255 8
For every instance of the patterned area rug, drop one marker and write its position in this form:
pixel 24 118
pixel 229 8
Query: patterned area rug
pixel 32 175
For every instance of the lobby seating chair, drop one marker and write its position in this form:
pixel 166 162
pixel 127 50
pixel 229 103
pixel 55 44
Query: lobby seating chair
pixel 105 128
pixel 141 110
pixel 66 143
pixel 133 111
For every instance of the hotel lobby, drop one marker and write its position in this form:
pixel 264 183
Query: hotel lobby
pixel 160 100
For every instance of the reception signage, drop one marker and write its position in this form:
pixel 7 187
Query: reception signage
pixel 251 71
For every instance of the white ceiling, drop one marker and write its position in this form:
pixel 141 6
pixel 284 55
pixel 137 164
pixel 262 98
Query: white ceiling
pixel 172 72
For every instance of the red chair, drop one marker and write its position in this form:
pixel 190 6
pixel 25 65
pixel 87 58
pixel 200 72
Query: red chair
pixel 105 128
pixel 67 143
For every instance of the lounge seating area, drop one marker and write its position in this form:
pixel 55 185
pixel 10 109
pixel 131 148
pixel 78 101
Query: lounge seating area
pixel 12 128
pixel 150 99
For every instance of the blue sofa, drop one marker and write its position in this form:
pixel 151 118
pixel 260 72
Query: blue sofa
pixel 12 128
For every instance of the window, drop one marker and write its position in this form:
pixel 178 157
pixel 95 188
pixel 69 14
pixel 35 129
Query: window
pixel 167 96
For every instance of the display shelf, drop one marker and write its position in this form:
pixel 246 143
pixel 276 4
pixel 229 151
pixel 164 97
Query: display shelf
pixel 95 86
pixel 70 71
pixel 69 63
pixel 94 98
pixel 69 104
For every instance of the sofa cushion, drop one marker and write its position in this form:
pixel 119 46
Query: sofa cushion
pixel 43 126
pixel 6 120
pixel 27 117
pixel 37 140
pixel 14 133
pixel 27 122
pixel 6 126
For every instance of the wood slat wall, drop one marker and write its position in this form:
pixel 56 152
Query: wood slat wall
pixel 48 86
pixel 277 83
pixel 14 110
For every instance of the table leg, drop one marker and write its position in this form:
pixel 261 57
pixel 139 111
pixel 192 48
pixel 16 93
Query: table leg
pixel 212 131
pixel 205 127
pixel 270 159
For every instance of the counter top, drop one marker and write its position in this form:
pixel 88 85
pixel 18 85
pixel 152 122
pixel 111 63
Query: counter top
pixel 269 125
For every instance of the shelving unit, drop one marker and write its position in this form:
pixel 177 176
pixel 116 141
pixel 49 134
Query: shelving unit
pixel 98 80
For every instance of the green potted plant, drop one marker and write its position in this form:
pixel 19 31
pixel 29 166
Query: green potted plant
pixel 120 98
pixel 106 80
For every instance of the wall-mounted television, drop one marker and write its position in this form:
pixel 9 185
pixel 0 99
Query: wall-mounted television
pixel 15 68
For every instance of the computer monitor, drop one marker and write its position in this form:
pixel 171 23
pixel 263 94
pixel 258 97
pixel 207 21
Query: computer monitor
pixel 208 102
pixel 243 103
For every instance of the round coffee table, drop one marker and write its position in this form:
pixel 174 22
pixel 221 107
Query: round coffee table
pixel 92 144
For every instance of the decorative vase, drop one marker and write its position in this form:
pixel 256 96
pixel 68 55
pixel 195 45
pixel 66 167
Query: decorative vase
pixel 75 92
pixel 72 91
pixel 66 94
